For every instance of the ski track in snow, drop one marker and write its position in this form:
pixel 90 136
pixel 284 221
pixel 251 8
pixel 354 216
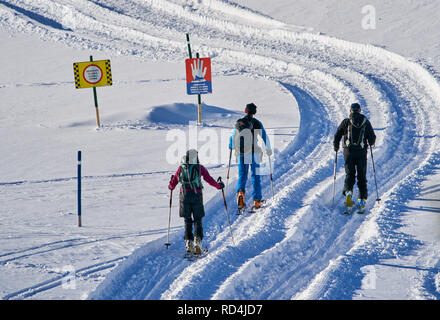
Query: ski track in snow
pixel 297 247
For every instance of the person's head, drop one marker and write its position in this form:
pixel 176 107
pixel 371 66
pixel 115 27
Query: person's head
pixel 355 108
pixel 251 109
pixel 191 157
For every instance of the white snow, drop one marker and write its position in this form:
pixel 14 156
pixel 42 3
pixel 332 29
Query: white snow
pixel 264 52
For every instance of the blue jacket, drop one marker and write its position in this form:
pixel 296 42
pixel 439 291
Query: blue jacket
pixel 257 125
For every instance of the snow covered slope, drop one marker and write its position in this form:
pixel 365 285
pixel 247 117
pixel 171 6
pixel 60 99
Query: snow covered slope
pixel 407 27
pixel 297 247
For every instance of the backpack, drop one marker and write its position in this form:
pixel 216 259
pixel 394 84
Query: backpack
pixel 190 176
pixel 244 140
pixel 355 135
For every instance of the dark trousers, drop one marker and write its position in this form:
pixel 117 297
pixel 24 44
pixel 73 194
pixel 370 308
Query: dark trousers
pixel 356 166
pixel 198 229
pixel 192 211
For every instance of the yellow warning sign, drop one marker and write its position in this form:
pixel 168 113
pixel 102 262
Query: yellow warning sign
pixel 92 74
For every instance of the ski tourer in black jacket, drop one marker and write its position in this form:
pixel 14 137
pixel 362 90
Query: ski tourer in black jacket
pixel 358 134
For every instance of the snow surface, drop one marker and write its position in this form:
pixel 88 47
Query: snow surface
pixel 407 27
pixel 295 248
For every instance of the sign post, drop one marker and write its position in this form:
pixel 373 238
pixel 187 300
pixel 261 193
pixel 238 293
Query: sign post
pixel 199 100
pixel 198 78
pixel 95 96
pixel 91 75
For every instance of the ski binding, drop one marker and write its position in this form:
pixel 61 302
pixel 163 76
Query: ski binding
pixel 192 256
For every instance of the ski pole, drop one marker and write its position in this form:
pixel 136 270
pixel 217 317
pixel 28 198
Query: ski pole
pixel 167 244
pixel 229 168
pixel 271 178
pixel 226 210
pixel 334 178
pixel 374 171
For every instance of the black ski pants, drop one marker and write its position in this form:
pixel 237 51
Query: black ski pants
pixel 192 211
pixel 356 166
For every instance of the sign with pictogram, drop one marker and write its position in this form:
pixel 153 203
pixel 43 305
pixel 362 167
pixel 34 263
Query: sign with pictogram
pixel 198 76
pixel 92 74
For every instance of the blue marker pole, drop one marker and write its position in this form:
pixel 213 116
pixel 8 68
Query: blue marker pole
pixel 79 188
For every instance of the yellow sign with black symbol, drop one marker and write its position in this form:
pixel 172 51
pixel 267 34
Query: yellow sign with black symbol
pixel 92 74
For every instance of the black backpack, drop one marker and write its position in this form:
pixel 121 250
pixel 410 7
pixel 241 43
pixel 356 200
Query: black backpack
pixel 355 135
pixel 244 140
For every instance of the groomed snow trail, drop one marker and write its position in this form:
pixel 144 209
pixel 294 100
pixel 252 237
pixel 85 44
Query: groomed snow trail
pixel 297 247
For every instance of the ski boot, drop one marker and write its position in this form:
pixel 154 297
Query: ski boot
pixel 240 200
pixel 189 247
pixel 257 204
pixel 348 197
pixel 361 204
pixel 197 245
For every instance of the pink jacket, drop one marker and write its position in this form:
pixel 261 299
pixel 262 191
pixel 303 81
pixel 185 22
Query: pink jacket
pixel 205 174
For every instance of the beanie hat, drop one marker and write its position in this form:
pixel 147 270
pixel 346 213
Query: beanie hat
pixel 251 108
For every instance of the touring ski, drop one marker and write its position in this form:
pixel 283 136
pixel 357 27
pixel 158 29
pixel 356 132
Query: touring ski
pixel 254 209
pixel 361 210
pixel 241 211
pixel 191 256
pixel 358 209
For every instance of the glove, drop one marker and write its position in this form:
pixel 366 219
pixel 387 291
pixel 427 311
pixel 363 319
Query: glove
pixel 336 147
pixel 269 152
pixel 222 185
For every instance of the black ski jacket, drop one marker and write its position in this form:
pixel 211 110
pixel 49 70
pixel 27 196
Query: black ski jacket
pixel 343 130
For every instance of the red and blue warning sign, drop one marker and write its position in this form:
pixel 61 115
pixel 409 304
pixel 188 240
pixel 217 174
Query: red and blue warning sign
pixel 198 76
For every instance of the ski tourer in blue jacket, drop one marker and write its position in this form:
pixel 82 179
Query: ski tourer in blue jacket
pixel 244 141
